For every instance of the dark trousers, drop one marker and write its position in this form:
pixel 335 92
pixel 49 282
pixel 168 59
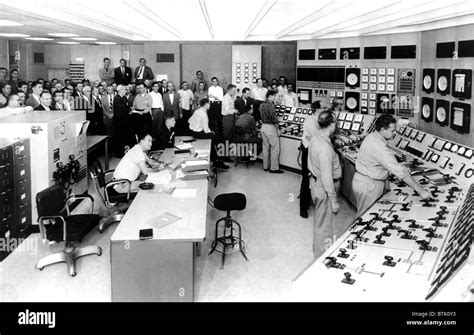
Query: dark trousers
pixel 182 125
pixel 158 120
pixel 256 110
pixel 216 139
pixel 228 123
pixel 215 117
pixel 142 123
pixel 305 192
pixel 123 137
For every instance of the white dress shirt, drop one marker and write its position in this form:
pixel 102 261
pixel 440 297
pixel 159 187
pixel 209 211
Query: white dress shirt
pixel 187 97
pixel 228 105
pixel 157 100
pixel 259 93
pixel 199 121
pixel 216 91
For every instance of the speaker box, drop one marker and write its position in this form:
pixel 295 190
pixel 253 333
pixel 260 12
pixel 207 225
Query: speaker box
pixel 384 103
pixel 403 51
pixel 443 84
pixel 445 50
pixel 307 54
pixel 462 81
pixel 406 81
pixel 427 109
pixel 327 53
pixel 349 53
pixel 428 80
pixel 442 112
pixel 353 77
pixel 466 48
pixel 375 52
pixel 352 101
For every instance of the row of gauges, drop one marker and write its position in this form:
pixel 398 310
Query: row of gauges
pixel 349 121
pixel 347 125
pixel 459 119
pixel 246 74
pixel 293 118
pixel 381 79
pixel 459 82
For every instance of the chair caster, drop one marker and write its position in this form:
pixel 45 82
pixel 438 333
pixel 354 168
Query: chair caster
pixel 101 230
pixel 100 252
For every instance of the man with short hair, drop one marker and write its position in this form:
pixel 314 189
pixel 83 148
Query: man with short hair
pixel 122 135
pixel 34 98
pixel 171 102
pixel 107 72
pixel 45 105
pixel 156 109
pixel 195 83
pixel 216 94
pixel 3 75
pixel 14 80
pixel 228 112
pixel 6 91
pixel 141 111
pixel 270 135
pixel 186 100
pixel 58 98
pixel 244 103
pixel 200 94
pixel 290 99
pixel 259 96
pixel 107 102
pixel 22 97
pixel 375 161
pixel 164 87
pixel 165 137
pixel 123 73
pixel 23 86
pixel 282 89
pixel 68 101
pixel 143 72
pixel 13 107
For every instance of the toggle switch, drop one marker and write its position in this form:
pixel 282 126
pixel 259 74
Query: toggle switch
pixel 385 231
pixel 347 278
pixel 351 244
pixel 332 263
pixel 379 239
pixel 424 245
pixel 406 234
pixel 412 224
pixel 389 261
pixel 343 253
pixel 405 207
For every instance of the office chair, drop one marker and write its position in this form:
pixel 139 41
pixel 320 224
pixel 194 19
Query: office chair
pixel 110 197
pixel 229 202
pixel 61 226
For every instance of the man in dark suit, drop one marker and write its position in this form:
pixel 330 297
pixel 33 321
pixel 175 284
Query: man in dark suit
pixel 143 72
pixel 58 98
pixel 123 73
pixel 171 102
pixel 164 87
pixel 121 122
pixel 45 102
pixel 244 103
pixel 165 137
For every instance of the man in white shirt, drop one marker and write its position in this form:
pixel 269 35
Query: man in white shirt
pixel 157 114
pixel 228 112
pixel 216 94
pixel 282 90
pixel 290 99
pixel 136 165
pixel 186 101
pixel 13 107
pixel 199 127
pixel 67 99
pixel 259 95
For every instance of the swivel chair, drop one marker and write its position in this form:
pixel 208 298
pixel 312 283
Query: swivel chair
pixel 229 202
pixel 58 225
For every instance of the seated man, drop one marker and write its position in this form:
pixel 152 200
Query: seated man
pixel 135 165
pixel 199 127
pixel 246 131
pixel 166 134
pixel 13 107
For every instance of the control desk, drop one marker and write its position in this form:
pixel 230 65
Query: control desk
pixel 404 248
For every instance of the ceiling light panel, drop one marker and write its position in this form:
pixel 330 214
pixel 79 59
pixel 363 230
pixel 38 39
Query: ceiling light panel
pixel 13 35
pixel 9 23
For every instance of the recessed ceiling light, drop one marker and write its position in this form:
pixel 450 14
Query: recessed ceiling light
pixel 69 43
pixel 105 42
pixel 63 35
pixel 84 38
pixel 14 35
pixel 40 39
pixel 8 23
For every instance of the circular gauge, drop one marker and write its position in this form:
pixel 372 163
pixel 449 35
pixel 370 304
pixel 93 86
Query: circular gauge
pixel 454 148
pixel 237 80
pixel 352 79
pixel 468 153
pixel 427 82
pixel 468 173
pixel 246 75
pixel 441 114
pixel 426 111
pixel 246 80
pixel 351 103
pixel 447 146
pixel 461 150
pixel 442 83
pixel 238 65
pixel 254 64
pixel 254 81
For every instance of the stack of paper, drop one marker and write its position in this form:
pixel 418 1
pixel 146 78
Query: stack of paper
pixel 184 146
pixel 161 177
pixel 194 165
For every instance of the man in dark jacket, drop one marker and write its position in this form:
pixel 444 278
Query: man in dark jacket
pixel 123 136
pixel 244 103
pixel 165 134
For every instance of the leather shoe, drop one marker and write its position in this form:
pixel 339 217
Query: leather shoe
pixel 221 165
pixel 276 171
pixel 304 214
pixel 265 169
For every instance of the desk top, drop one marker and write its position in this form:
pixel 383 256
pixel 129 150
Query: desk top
pixel 94 140
pixel 149 204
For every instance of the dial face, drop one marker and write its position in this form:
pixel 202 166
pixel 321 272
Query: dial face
pixel 447 146
pixel 426 111
pixel 442 83
pixel 468 153
pixel 468 173
pixel 461 151
pixel 427 82
pixel 351 103
pixel 352 79
pixel 454 148
pixel 441 114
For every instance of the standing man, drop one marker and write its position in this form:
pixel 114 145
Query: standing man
pixel 34 98
pixel 67 99
pixel 171 102
pixel 228 112
pixel 375 161
pixel 270 135
pixel 123 73
pixel 122 129
pixel 259 95
pixel 107 102
pixel 323 163
pixel 282 90
pixel 310 128
pixel 290 99
pixel 6 91
pixel 216 94
pixel 197 80
pixel 107 72
pixel 14 80
pixel 244 103
pixel 186 103
pixel 164 87
pixel 141 111
pixel 156 109
pixel 200 94
pixel 143 72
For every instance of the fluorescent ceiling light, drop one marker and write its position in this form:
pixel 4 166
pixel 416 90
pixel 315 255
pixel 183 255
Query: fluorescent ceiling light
pixel 84 39
pixel 8 23
pixel 69 43
pixel 63 35
pixel 14 35
pixel 105 43
pixel 40 39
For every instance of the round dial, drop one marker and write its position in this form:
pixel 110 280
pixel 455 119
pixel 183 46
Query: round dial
pixel 468 173
pixel 468 153
pixel 441 114
pixel 427 82
pixel 461 150
pixel 447 146
pixel 352 79
pixel 454 148
pixel 351 103
pixel 426 111
pixel 442 83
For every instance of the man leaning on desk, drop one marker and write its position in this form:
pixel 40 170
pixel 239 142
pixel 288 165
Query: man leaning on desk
pixel 136 165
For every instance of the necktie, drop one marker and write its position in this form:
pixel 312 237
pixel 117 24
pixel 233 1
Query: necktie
pixel 60 107
pixel 111 103
pixel 123 71
pixel 140 72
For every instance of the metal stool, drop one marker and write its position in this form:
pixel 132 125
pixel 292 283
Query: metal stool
pixel 228 202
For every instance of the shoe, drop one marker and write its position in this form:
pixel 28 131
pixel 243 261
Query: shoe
pixel 227 160
pixel 265 169
pixel 276 171
pixel 221 165
pixel 304 214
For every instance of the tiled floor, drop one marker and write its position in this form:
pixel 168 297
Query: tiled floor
pixel 279 247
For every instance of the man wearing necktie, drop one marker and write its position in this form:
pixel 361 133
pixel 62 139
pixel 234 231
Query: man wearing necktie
pixel 143 72
pixel 107 73
pixel 123 73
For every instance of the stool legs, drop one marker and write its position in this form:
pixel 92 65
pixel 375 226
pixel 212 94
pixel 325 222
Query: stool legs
pixel 240 240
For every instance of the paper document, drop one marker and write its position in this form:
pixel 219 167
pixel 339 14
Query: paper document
pixel 162 220
pixel 161 177
pixel 179 174
pixel 185 193
pixel 184 146
pixel 195 162
pixel 178 184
